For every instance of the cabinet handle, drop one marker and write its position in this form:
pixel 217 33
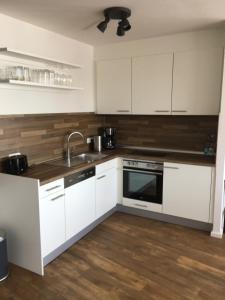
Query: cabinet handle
pixel 81 176
pixel 103 176
pixel 53 188
pixel 162 111
pixel 174 168
pixel 184 111
pixel 123 110
pixel 142 172
pixel 141 205
pixel 60 196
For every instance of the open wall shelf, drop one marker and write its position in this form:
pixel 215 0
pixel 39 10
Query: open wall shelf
pixel 34 84
pixel 19 54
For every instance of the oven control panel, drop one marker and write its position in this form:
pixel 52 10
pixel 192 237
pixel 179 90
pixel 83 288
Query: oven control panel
pixel 138 164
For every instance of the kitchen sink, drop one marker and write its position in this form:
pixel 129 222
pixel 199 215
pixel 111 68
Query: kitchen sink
pixel 79 159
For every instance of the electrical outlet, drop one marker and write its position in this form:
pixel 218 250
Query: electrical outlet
pixel 89 140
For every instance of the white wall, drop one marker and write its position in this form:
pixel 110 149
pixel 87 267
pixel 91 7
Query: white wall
pixel 170 43
pixel 28 38
pixel 220 169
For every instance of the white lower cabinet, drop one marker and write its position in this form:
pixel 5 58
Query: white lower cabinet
pixel 54 214
pixel 106 191
pixel 187 191
pixel 52 221
pixel 79 206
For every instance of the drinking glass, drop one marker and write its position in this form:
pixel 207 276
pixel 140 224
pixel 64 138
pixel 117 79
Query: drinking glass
pixel 51 77
pixel 46 74
pixel 34 75
pixel 3 74
pixel 41 76
pixel 19 73
pixel 26 74
pixel 57 79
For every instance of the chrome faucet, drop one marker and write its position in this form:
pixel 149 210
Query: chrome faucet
pixel 68 145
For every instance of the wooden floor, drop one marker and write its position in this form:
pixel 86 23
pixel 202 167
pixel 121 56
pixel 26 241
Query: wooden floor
pixel 129 257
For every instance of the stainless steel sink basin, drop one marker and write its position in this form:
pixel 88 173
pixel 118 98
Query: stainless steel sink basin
pixel 79 159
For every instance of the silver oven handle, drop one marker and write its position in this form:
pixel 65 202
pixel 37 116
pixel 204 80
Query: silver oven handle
pixel 143 172
pixel 140 205
pixel 173 168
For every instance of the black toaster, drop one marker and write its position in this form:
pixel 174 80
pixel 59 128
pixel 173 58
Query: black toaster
pixel 15 164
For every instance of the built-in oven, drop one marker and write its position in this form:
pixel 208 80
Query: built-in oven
pixel 143 180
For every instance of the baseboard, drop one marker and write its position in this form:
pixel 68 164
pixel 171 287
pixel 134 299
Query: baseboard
pixel 217 235
pixel 165 218
pixel 133 211
pixel 51 256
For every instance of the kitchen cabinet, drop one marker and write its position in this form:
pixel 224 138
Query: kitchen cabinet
pixel 114 86
pixel 197 78
pixel 51 188
pixel 152 84
pixel 52 221
pixel 79 206
pixel 180 83
pixel 187 191
pixel 56 212
pixel 106 187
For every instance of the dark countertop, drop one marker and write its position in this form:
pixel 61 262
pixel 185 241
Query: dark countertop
pixel 46 172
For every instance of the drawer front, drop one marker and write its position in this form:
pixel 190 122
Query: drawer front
pixel 142 205
pixel 52 187
pixel 52 220
pixel 113 163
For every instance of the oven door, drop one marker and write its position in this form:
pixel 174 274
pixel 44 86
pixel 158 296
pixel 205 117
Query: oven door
pixel 144 185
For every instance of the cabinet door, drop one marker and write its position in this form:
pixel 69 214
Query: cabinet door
pixel 106 192
pixel 114 86
pixel 52 220
pixel 79 206
pixel 187 191
pixel 197 82
pixel 152 84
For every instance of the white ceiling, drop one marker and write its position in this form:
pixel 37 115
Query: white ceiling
pixel 78 18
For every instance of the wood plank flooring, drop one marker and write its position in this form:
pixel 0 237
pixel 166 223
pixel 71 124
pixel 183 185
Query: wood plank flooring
pixel 129 257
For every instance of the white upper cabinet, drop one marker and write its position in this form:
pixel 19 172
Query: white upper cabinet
pixel 183 83
pixel 197 80
pixel 152 84
pixel 114 86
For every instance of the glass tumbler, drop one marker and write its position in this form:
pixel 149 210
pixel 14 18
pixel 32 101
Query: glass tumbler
pixel 69 80
pixel 41 76
pixel 51 77
pixel 34 75
pixel 18 73
pixel 46 74
pixel 3 74
pixel 26 74
pixel 57 79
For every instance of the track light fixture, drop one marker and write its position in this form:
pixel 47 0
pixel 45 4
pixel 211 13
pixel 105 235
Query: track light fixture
pixel 103 25
pixel 116 13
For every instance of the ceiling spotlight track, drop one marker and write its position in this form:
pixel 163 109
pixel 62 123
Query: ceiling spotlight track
pixel 116 13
